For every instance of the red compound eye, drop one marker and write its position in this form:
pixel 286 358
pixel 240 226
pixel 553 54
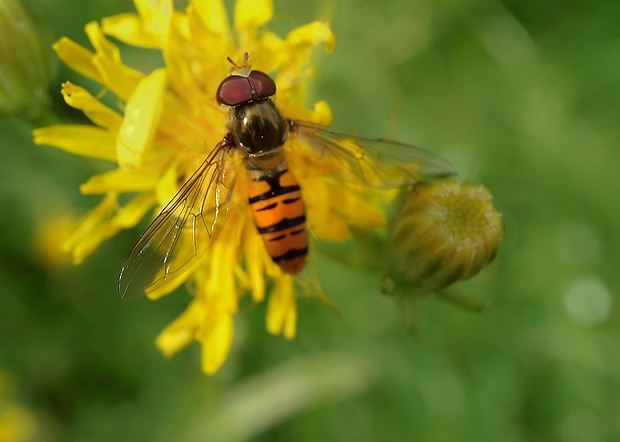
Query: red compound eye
pixel 262 84
pixel 236 89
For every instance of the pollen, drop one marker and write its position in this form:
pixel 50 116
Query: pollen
pixel 466 212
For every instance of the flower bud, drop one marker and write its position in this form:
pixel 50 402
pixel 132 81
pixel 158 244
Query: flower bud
pixel 445 232
pixel 26 66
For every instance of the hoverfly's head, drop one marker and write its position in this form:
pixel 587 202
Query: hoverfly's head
pixel 244 85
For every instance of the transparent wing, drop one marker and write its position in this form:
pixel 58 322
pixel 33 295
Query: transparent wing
pixel 184 229
pixel 372 162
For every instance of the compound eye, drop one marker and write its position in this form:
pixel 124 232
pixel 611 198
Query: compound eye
pixel 262 84
pixel 234 90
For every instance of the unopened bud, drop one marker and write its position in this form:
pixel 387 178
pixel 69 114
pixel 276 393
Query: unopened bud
pixel 26 66
pixel 445 232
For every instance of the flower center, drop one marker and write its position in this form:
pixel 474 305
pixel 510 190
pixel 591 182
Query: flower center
pixel 465 214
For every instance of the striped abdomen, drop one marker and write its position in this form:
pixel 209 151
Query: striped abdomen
pixel 280 216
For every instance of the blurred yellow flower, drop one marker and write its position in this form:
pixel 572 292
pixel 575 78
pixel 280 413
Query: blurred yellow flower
pixel 164 125
pixel 17 423
pixel 48 241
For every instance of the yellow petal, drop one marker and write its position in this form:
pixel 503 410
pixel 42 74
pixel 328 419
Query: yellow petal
pixel 102 45
pixel 131 213
pixel 96 111
pixel 123 180
pixel 116 76
pixel 220 287
pixel 103 222
pixel 210 40
pixel 77 58
pixel 179 278
pixel 147 30
pixel 129 29
pixel 252 14
pixel 82 140
pixel 298 47
pixel 92 230
pixel 213 15
pixel 181 331
pixel 184 258
pixel 267 58
pixel 332 208
pixel 156 16
pixel 167 186
pixel 142 116
pixel 254 251
pixel 312 34
pixel 321 114
pixel 216 343
pixel 281 310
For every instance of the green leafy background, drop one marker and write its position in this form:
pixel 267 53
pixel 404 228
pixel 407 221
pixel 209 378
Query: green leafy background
pixel 521 96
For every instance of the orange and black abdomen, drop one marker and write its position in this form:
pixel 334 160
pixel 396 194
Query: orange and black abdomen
pixel 280 216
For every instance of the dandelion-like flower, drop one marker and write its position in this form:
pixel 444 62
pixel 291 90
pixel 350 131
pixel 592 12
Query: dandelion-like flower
pixel 176 148
pixel 446 231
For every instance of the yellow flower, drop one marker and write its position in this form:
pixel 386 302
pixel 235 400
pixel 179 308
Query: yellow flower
pixel 17 423
pixel 48 239
pixel 446 231
pixel 158 127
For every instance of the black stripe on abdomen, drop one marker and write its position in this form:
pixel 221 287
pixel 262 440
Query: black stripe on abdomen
pixel 283 224
pixel 293 253
pixel 275 189
pixel 267 207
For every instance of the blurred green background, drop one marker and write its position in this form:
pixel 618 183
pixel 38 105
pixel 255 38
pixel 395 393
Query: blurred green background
pixel 521 96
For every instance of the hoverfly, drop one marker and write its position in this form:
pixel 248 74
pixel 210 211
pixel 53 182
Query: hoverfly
pixel 260 133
